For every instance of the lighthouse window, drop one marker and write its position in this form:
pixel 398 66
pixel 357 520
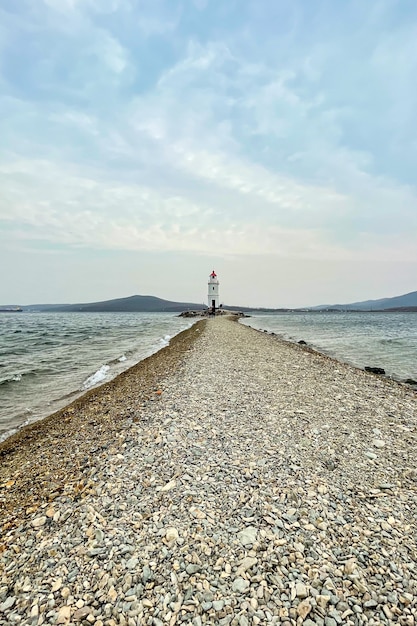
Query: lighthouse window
pixel 213 288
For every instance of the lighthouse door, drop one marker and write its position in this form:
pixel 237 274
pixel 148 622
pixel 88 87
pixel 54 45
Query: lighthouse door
pixel 213 304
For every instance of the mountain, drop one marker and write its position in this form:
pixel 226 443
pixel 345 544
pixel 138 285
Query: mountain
pixel 144 304
pixel 139 304
pixel 152 304
pixel 407 301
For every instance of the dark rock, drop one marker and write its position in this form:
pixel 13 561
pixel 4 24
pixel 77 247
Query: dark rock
pixel 330 464
pixel 410 381
pixel 302 342
pixel 375 370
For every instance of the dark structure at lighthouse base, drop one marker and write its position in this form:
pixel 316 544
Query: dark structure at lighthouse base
pixel 209 312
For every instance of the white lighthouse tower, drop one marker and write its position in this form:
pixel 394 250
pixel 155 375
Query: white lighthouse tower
pixel 213 292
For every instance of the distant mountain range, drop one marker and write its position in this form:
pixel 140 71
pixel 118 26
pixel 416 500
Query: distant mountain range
pixel 144 304
pixel 151 304
pixel 407 301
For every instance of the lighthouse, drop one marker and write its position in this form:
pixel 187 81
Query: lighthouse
pixel 213 292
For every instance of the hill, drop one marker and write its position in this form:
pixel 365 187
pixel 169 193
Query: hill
pixel 406 301
pixel 133 304
pixel 152 304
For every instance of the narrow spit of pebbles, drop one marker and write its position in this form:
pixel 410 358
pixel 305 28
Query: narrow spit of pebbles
pixel 249 481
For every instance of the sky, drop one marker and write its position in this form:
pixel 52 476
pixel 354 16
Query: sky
pixel 144 143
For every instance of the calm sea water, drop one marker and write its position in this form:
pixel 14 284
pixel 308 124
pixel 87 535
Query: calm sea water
pixel 48 359
pixel 387 340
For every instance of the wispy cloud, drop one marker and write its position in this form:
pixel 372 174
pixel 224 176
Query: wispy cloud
pixel 273 129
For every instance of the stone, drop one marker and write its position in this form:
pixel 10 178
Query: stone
pixel 170 485
pixel 303 609
pixel 240 585
pixel 193 568
pixel 197 513
pixel 7 604
pixel 301 590
pixel 171 534
pixel 146 573
pixel 322 601
pixel 375 370
pixel 112 594
pixel 248 535
pixel 39 521
pixel 247 563
pixel 64 615
pixel 370 604
pixel 81 613
pixel 406 598
pixel 378 443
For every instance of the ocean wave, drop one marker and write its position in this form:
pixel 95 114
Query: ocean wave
pixel 164 341
pixel 83 352
pixel 98 377
pixel 119 359
pixel 16 378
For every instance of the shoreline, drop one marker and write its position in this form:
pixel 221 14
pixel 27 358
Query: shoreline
pixel 95 409
pixel 409 382
pixel 21 449
pixel 76 379
pixel 303 345
pixel 249 481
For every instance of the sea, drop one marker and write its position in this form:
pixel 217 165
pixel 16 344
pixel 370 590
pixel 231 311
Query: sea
pixel 371 339
pixel 49 359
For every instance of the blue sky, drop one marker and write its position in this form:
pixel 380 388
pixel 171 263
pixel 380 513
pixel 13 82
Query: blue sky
pixel 145 142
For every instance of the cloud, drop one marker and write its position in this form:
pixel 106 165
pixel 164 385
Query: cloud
pixel 41 201
pixel 145 130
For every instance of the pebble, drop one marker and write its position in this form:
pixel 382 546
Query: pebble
pixel 240 585
pixel 243 496
pixel 378 443
pixel 247 536
pixel 7 604
pixel 301 590
pixel 218 605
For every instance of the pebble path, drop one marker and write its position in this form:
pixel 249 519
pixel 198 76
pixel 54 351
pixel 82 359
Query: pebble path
pixel 267 484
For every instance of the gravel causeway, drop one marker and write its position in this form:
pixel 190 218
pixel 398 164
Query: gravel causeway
pixel 258 482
